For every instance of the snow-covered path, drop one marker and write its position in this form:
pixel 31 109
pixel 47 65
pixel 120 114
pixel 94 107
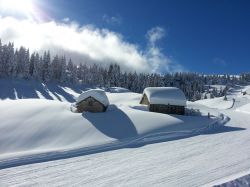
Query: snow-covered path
pixel 195 161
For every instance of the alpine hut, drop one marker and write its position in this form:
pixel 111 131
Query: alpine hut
pixel 168 100
pixel 94 100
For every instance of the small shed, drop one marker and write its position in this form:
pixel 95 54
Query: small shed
pixel 94 100
pixel 168 100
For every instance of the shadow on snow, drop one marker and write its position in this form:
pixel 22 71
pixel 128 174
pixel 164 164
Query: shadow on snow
pixel 31 89
pixel 113 123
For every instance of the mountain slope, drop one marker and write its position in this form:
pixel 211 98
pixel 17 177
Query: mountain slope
pixel 45 129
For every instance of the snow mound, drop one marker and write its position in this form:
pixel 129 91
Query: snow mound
pixel 247 90
pixel 98 94
pixel 244 108
pixel 217 103
pixel 165 95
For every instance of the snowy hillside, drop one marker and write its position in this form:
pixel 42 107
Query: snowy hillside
pixel 217 103
pixel 20 89
pixel 157 145
pixel 36 126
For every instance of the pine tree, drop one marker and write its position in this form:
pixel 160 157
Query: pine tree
pixel 32 64
pixel 72 72
pixel 55 69
pixel 26 73
pixel 63 77
pixel 45 66
pixel 6 59
pixel 37 71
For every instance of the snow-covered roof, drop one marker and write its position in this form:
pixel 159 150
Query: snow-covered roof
pixel 165 95
pixel 98 94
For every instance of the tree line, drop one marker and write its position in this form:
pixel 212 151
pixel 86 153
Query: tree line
pixel 19 63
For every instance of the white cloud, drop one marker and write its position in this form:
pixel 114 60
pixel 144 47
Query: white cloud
pixel 66 20
pixel 155 34
pixel 86 44
pixel 158 61
pixel 112 20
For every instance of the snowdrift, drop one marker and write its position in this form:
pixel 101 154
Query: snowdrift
pixel 247 90
pixel 217 103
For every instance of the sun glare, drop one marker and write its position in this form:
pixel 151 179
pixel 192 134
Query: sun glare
pixel 20 7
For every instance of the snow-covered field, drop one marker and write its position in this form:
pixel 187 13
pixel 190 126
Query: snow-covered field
pixel 217 103
pixel 244 108
pixel 156 149
pixel 36 130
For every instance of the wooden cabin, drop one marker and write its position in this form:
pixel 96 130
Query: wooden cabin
pixel 94 100
pixel 168 100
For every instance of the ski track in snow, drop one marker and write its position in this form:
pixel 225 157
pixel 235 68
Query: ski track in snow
pixel 211 158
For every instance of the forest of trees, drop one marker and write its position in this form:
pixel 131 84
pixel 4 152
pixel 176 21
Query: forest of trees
pixel 19 63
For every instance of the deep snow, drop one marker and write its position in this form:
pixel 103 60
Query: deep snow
pixel 35 128
pixel 209 158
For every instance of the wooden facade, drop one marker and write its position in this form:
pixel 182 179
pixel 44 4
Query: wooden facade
pixel 90 104
pixel 144 100
pixel 167 109
pixel 162 108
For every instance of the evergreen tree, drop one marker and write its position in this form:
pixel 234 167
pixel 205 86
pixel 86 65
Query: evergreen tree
pixel 63 77
pixel 45 66
pixel 37 71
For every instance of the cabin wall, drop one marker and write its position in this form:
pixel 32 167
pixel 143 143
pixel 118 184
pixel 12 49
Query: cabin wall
pixel 144 100
pixel 167 109
pixel 90 105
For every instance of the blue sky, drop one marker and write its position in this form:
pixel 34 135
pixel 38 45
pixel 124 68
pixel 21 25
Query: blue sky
pixel 211 36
